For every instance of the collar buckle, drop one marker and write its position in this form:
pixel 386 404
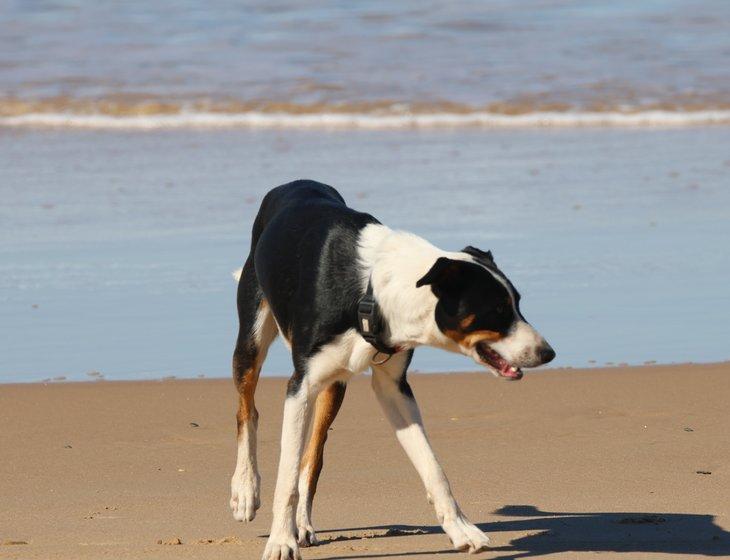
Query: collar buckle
pixel 370 324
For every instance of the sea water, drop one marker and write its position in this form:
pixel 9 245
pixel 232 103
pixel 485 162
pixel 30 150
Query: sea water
pixel 369 64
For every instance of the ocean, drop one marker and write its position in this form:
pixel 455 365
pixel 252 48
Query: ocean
pixel 367 64
pixel 584 143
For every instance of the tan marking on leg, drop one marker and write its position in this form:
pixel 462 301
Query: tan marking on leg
pixel 326 409
pixel 247 375
pixel 246 389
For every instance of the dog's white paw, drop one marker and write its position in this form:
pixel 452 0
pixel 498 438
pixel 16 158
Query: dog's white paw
pixel 466 536
pixel 306 535
pixel 245 494
pixel 305 531
pixel 282 547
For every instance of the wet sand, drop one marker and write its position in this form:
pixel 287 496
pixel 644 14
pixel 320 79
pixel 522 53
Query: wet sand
pixel 629 462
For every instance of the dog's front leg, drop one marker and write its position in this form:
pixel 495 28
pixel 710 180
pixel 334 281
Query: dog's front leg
pixel 400 407
pixel 282 543
pixel 327 406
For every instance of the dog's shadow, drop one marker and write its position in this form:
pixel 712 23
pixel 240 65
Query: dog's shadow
pixel 556 532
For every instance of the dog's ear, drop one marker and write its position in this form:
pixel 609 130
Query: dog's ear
pixel 446 275
pixel 448 278
pixel 483 256
pixel 441 270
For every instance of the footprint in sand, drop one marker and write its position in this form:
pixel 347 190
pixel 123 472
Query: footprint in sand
pixel 224 540
pixel 172 541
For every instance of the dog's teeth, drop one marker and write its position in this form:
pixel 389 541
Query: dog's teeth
pixel 513 368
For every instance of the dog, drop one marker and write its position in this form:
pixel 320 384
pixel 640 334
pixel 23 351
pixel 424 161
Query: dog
pixel 347 293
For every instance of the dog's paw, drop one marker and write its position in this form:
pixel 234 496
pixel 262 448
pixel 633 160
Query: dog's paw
pixel 466 536
pixel 245 495
pixel 306 535
pixel 281 548
pixel 305 531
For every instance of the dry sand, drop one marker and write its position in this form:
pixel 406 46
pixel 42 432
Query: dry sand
pixel 567 463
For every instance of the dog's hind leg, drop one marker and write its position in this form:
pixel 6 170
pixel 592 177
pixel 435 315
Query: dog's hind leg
pixel 399 405
pixel 326 408
pixel 257 330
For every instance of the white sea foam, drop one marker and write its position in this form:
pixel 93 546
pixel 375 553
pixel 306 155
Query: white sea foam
pixel 263 120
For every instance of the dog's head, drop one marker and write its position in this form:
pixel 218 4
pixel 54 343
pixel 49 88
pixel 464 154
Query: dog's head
pixel 478 308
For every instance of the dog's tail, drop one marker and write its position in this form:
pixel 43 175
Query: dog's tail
pixel 237 274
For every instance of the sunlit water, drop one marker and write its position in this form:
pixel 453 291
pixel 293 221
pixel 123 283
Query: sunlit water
pixel 116 249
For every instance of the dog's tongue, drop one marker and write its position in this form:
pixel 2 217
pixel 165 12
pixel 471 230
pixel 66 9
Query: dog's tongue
pixel 503 367
pixel 509 372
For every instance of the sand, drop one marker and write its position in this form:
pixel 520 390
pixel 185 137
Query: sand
pixel 630 462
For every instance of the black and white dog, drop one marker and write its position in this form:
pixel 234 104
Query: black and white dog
pixel 347 293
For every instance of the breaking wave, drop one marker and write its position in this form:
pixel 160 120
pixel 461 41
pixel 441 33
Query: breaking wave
pixel 165 115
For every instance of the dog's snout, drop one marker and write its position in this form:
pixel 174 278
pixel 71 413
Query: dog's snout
pixel 546 353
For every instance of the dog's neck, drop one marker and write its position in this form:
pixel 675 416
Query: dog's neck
pixel 395 261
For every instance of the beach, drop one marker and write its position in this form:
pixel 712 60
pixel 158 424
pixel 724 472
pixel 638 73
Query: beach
pixel 627 462
pixel 583 144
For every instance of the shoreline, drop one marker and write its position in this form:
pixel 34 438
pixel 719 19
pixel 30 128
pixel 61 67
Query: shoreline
pixel 538 371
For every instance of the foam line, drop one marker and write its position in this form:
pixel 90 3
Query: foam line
pixel 264 120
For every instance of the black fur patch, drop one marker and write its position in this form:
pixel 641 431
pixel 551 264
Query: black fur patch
pixel 403 385
pixel 305 252
pixel 464 289
pixel 484 257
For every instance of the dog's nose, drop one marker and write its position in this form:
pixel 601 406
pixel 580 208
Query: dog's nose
pixel 546 354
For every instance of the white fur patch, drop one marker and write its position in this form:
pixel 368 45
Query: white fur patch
pixel 265 330
pixel 237 274
pixel 520 346
pixel 246 481
pixel 305 531
pixel 346 355
pixel 395 261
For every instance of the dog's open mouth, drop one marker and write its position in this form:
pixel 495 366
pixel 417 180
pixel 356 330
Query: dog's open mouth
pixel 497 363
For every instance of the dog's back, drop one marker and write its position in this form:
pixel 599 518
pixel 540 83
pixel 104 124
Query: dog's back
pixel 304 247
pixel 296 193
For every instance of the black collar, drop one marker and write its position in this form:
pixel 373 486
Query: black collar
pixel 370 323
